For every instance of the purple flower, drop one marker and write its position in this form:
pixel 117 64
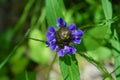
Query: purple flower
pixel 62 39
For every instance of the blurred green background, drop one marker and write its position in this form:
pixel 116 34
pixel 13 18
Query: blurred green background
pixel 17 17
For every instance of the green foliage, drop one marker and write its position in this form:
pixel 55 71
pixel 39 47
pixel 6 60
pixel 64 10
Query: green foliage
pixel 114 41
pixel 11 53
pixel 18 25
pixel 53 11
pixel 23 51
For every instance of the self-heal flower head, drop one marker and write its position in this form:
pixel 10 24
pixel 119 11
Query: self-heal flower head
pixel 62 39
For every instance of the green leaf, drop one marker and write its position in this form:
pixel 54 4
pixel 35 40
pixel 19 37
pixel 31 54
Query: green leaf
pixel 53 11
pixel 107 7
pixel 69 67
pixel 91 36
pixel 100 54
pixel 38 50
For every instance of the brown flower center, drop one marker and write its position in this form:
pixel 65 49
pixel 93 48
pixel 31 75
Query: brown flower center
pixel 63 37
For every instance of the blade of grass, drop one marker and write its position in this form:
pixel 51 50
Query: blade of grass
pixel 23 18
pixel 14 50
pixel 41 19
pixel 34 13
pixel 26 75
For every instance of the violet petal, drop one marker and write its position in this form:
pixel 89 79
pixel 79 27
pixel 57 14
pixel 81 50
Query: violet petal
pixel 67 49
pixel 47 43
pixel 53 46
pixel 60 22
pixel 76 40
pixel 72 27
pixel 60 52
pixel 73 50
pixel 51 29
pixel 50 38
pixel 49 34
pixel 77 33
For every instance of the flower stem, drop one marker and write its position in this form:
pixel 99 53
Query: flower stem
pixel 53 61
pixel 36 39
